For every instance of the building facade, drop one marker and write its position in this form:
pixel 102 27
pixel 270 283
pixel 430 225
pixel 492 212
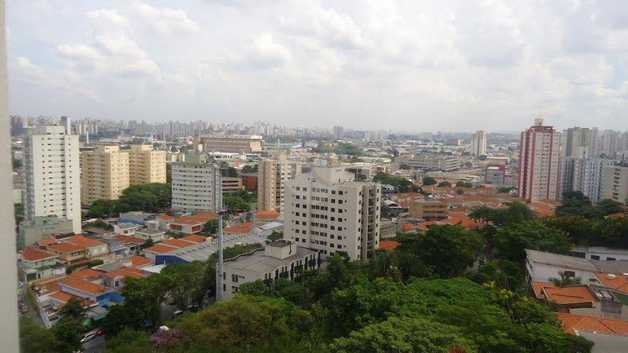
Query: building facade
pixel 478 143
pixel 327 211
pixel 233 143
pixel 271 179
pixel 280 259
pixel 584 175
pixel 578 142
pixel 615 183
pixel 52 174
pixel 539 163
pixel 146 165
pixel 196 186
pixel 104 173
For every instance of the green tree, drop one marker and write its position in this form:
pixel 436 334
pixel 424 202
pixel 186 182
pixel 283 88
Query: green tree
pixel 449 250
pixel 512 240
pixel 404 335
pixel 565 280
pixel 35 338
pixel 211 227
pixel 400 183
pixel 427 181
pixel 129 341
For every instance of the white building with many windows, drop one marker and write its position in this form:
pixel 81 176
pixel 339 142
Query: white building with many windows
pixel 327 211
pixel 52 173
pixel 196 186
pixel 280 259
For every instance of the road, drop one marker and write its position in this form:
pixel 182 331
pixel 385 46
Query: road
pixel 97 345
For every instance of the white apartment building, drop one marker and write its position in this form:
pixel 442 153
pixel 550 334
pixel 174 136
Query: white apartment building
pixel 280 259
pixel 615 183
pixel 272 175
pixel 196 186
pixel 52 173
pixel 583 174
pixel 327 211
pixel 539 163
pixel 478 143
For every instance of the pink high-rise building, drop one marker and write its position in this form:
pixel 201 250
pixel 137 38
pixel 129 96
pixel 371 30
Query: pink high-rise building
pixel 539 165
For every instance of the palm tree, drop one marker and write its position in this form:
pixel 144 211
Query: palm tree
pixel 565 280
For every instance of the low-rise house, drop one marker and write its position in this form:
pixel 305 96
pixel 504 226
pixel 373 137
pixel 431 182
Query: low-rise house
pixel 240 228
pixel 126 228
pixel 37 264
pixel 600 253
pixel 280 259
pixel 94 248
pixel 68 253
pixel 190 224
pixel 41 227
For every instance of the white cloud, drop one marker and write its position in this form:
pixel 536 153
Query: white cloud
pixel 165 20
pixel 411 65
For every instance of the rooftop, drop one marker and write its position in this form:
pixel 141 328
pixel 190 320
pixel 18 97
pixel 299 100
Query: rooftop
pixel 241 228
pixel 33 254
pixel 388 245
pixel 576 323
pixel 84 241
pixel 260 263
pixel 565 261
pixel 83 286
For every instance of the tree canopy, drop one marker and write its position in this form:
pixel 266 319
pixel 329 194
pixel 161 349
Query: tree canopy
pixel 153 197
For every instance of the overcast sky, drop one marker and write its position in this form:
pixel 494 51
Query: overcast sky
pixel 401 65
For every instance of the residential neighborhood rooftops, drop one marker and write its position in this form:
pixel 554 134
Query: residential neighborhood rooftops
pixel 196 218
pixel 241 228
pixel 33 254
pixel 388 245
pixel 127 239
pixel 82 240
pixel 581 323
pixel 268 215
pixel 618 282
pixel 65 248
pixel 82 285
pixel 572 295
pixel 260 263
pixel 565 261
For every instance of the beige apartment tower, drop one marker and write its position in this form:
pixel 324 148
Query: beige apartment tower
pixel 146 165
pixel 104 173
pixel 327 211
pixel 272 175
pixel 614 183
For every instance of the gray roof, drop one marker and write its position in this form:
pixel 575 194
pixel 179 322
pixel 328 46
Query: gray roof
pixel 616 267
pixel 564 261
pixel 260 263
pixel 202 252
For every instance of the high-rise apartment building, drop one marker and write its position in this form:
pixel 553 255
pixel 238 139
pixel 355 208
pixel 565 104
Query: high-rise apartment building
pixel 52 173
pixel 196 186
pixel 615 183
pixel 478 143
pixel 578 142
pixel 146 165
pixel 327 211
pixel 104 173
pixel 584 175
pixel 272 175
pixel 539 163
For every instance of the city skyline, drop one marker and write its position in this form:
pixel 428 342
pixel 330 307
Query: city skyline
pixel 425 67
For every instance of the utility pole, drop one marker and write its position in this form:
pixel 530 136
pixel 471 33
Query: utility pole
pixel 220 212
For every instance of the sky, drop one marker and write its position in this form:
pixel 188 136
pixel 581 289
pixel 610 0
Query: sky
pixel 447 65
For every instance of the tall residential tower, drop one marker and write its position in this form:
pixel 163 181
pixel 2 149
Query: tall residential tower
pixel 539 164
pixel 52 173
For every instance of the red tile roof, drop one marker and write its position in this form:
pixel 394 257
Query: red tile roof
pixel 196 218
pixel 581 323
pixel 241 228
pixel 195 238
pixel 139 261
pixel 82 240
pixel 177 243
pixel 33 254
pixel 62 296
pixel 86 274
pixel 618 282
pixel 537 288
pixel 160 249
pixel 388 245
pixel 65 248
pixel 270 214
pixel 125 272
pixel 127 239
pixel 82 285
pixel 576 295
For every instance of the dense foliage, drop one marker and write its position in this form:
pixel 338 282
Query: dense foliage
pixel 154 197
pixel 401 184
